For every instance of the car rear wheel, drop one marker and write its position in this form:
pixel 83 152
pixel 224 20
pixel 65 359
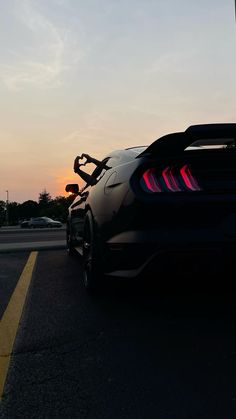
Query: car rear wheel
pixel 93 275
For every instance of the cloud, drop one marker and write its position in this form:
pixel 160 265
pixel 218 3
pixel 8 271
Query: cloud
pixel 42 61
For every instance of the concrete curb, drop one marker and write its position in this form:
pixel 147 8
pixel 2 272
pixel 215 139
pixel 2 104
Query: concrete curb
pixel 28 230
pixel 31 246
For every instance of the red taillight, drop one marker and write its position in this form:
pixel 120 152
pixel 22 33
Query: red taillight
pixel 170 179
pixel 189 180
pixel 150 181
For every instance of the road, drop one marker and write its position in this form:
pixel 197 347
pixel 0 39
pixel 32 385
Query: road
pixel 35 239
pixel 134 353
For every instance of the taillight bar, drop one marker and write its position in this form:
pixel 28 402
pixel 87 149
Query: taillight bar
pixel 190 182
pixel 170 179
pixel 150 181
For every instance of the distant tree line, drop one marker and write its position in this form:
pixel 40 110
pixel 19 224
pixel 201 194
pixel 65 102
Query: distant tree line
pixel 56 208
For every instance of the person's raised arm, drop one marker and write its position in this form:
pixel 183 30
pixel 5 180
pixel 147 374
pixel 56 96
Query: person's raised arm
pixel 85 176
pixel 91 159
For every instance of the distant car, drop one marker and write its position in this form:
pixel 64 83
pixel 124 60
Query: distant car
pixel 43 222
pixel 159 209
pixel 24 224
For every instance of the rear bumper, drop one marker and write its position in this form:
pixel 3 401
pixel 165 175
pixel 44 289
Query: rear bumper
pixel 178 251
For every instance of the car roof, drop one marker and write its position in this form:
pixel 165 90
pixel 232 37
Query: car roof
pixel 126 154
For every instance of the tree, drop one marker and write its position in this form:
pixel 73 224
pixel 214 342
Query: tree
pixel 60 207
pixel 57 208
pixel 46 206
pixel 29 209
pixel 45 200
pixel 2 212
pixel 13 213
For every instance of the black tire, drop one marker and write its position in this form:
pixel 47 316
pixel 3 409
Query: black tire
pixel 69 243
pixel 93 273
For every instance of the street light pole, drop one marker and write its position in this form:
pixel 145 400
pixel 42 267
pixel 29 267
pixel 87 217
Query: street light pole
pixel 7 214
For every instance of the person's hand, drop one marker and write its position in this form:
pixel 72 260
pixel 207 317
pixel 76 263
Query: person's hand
pixel 87 157
pixel 76 163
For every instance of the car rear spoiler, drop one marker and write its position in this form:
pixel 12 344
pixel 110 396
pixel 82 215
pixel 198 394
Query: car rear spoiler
pixel 208 134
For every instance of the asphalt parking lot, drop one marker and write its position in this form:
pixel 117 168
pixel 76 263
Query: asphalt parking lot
pixel 133 352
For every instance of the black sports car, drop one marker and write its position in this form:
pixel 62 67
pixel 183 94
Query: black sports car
pixel 167 206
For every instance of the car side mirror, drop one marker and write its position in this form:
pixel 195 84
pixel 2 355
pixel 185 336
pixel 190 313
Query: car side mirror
pixel 72 188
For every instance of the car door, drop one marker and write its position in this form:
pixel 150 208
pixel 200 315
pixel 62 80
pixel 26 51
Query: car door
pixel 77 214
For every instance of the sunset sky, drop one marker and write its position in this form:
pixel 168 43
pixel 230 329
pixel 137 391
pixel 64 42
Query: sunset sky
pixel 96 75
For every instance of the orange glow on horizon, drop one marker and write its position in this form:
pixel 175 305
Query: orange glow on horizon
pixel 64 177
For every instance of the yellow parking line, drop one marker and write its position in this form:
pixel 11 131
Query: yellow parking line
pixel 11 318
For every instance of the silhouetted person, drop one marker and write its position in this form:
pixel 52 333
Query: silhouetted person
pixel 89 179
